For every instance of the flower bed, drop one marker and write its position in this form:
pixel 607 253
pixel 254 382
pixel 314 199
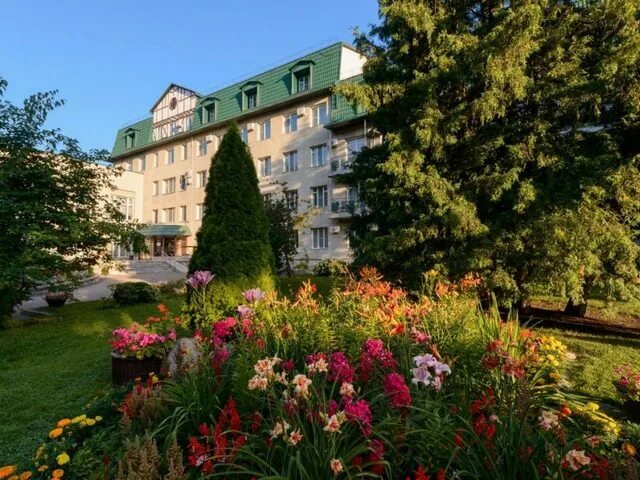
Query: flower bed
pixel 371 383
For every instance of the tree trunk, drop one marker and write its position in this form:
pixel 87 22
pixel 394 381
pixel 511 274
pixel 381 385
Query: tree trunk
pixel 580 309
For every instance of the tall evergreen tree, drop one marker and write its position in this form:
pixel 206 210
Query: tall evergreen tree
pixel 508 148
pixel 233 241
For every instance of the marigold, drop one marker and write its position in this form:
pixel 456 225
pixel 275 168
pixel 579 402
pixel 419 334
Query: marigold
pixel 25 475
pixel 63 458
pixel 7 470
pixel 55 433
pixel 629 449
pixel 13 477
pixel 57 473
pixel 42 468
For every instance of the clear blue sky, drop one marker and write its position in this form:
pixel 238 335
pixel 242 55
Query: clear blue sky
pixel 111 59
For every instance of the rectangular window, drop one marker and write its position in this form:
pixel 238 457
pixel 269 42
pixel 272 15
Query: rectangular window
pixel 143 162
pixel 169 185
pixel 291 198
pixel 185 151
pixel 170 156
pixel 209 113
pixel 320 116
pixel 199 211
pixel 320 238
pixel 320 196
pixel 130 140
pixel 251 98
pixel 169 215
pixel 155 159
pixel 319 155
pixel 154 216
pixel 291 161
pixel 202 147
pixel 175 128
pixel 126 206
pixel 244 134
pixel 201 179
pixel 183 213
pixel 354 145
pixel 290 123
pixel 183 182
pixel 265 130
pixel 265 166
pixel 303 81
pixel 156 189
pixel 126 165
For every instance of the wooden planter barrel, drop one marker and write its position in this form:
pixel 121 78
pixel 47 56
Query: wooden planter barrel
pixel 56 299
pixel 125 369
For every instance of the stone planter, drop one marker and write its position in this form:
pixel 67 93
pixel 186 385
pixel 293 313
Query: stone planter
pixel 56 299
pixel 125 369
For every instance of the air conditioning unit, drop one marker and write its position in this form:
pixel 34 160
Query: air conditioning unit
pixel 334 142
pixel 335 229
pixel 301 112
pixel 251 127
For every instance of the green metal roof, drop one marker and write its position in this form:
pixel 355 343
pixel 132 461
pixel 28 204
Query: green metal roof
pixel 275 87
pixel 342 110
pixel 161 230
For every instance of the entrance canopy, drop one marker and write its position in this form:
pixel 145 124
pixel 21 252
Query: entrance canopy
pixel 162 230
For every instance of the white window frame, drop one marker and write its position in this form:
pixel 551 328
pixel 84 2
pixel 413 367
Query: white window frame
pixel 171 156
pixel 265 167
pixel 316 160
pixel 156 188
pixel 320 238
pixel 286 156
pixel 169 186
pixel 265 130
pixel 291 123
pixel 199 211
pixel 201 179
pixel 183 213
pixel 203 147
pixel 317 121
pixel 320 196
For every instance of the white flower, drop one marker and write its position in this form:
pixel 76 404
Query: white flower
pixel 548 420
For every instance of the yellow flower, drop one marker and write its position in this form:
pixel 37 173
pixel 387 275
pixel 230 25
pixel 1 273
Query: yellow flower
pixel 63 458
pixel 57 473
pixel 79 419
pixel 6 471
pixel 25 475
pixel 592 406
pixel 63 423
pixel 55 433
pixel 98 418
pixel 91 422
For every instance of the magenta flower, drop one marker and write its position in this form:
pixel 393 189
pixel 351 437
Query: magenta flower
pixel 201 278
pixel 253 295
pixel 360 413
pixel 397 391
pixel 340 370
pixel 244 311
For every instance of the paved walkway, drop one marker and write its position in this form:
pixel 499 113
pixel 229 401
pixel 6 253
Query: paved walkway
pixel 101 289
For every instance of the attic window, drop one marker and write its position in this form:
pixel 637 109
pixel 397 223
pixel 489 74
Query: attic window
pixel 130 139
pixel 250 95
pixel 209 111
pixel 301 75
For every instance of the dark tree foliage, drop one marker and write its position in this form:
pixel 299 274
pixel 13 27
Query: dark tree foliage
pixel 283 218
pixel 55 216
pixel 510 144
pixel 233 241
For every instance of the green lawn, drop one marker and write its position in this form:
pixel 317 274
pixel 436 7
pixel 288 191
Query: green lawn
pixel 597 357
pixel 53 367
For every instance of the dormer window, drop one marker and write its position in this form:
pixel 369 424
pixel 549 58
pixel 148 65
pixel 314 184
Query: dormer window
pixel 301 74
pixel 250 95
pixel 252 98
pixel 209 110
pixel 130 139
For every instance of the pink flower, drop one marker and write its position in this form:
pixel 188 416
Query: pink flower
pixel 576 459
pixel 340 370
pixel 295 437
pixel 360 413
pixel 336 466
pixel 419 337
pixel 347 390
pixel 397 390
pixel 253 295
pixel 244 311
pixel 201 278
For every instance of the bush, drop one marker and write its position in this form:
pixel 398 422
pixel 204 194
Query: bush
pixel 331 268
pixel 132 293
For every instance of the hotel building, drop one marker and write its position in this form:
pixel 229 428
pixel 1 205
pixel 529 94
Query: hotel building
pixel 298 131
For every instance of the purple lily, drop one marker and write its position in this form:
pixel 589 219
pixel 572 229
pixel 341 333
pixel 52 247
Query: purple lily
pixel 201 278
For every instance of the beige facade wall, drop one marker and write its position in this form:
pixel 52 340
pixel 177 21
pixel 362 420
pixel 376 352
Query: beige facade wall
pixel 162 200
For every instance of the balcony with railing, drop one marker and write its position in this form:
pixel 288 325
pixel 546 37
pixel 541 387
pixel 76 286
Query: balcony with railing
pixel 345 207
pixel 341 165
